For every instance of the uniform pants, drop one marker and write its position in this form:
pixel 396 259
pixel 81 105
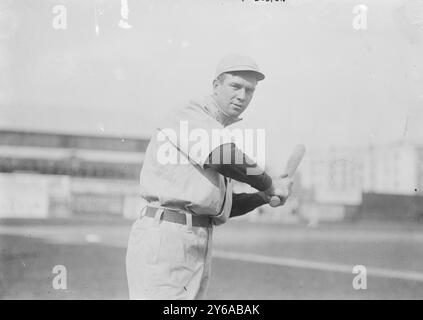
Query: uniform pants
pixel 167 260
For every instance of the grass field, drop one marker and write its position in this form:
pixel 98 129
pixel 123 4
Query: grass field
pixel 251 260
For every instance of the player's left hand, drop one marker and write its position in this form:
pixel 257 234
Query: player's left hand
pixel 281 187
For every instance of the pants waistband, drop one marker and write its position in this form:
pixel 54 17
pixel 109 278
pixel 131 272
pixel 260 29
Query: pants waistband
pixel 179 217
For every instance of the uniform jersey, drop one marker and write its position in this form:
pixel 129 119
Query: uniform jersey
pixel 173 173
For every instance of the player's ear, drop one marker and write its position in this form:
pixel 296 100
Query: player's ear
pixel 216 83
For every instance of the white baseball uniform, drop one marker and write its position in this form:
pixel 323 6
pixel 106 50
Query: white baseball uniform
pixel 168 260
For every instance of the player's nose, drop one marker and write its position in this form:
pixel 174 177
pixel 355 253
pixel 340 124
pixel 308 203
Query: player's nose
pixel 241 94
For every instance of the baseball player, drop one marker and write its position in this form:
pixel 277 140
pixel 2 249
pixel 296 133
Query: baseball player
pixel 188 188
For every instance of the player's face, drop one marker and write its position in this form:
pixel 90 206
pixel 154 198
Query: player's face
pixel 235 92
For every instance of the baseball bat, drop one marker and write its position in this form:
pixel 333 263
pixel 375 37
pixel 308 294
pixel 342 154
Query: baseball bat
pixel 291 166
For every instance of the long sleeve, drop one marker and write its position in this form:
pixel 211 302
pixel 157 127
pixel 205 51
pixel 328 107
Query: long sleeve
pixel 243 203
pixel 234 170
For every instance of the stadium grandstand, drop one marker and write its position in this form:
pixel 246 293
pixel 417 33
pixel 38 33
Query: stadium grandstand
pixel 60 154
pixel 63 175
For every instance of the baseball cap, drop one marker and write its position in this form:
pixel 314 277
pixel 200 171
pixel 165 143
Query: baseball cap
pixel 237 62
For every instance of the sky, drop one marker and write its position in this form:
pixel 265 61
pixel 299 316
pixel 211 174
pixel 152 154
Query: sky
pixel 327 84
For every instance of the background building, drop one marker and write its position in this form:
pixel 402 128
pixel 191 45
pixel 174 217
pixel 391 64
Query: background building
pixel 365 179
pixel 59 175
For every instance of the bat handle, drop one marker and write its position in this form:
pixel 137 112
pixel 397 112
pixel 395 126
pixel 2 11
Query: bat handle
pixel 274 201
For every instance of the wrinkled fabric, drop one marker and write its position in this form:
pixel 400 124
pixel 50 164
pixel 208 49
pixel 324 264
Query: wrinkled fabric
pixel 166 260
pixel 186 184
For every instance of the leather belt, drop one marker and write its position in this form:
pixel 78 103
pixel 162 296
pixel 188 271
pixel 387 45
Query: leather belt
pixel 179 217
